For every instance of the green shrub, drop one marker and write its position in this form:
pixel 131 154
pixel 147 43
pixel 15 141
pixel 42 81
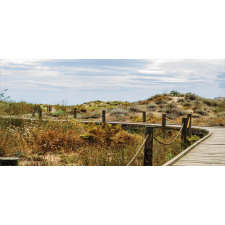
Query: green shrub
pixel 191 140
pixel 59 112
pixel 151 107
pixel 201 112
pixel 15 108
pixel 221 114
pixel 135 108
pixel 180 100
pixel 210 102
pixel 182 112
pixel 190 96
pixel 174 93
pixel 160 102
pixel 119 112
pixel 176 112
pixel 162 106
pixel 187 104
pixel 90 115
pixel 172 106
pixel 154 97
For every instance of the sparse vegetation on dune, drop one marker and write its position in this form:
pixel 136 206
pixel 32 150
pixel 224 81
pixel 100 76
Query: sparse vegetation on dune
pixel 61 140
pixel 175 105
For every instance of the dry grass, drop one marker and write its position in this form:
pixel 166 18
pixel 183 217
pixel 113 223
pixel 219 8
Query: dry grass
pixel 175 108
pixel 73 143
pixel 52 143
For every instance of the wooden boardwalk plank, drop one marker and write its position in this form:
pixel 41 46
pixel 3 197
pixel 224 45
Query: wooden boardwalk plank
pixel 210 152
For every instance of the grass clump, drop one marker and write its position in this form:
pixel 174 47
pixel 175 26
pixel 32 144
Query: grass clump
pixel 180 100
pixel 119 112
pixel 151 107
pixel 14 108
pixel 201 112
pixel 90 115
pixel 191 96
pixel 135 108
pixel 59 112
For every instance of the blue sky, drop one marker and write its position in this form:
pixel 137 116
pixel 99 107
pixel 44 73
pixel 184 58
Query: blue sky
pixel 83 80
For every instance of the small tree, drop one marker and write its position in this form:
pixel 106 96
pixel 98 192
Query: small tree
pixel 174 93
pixel 3 95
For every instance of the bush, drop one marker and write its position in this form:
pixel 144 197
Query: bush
pixel 151 107
pixel 190 96
pixel 14 108
pixel 180 100
pixel 172 106
pixel 81 108
pixel 119 112
pixel 182 112
pixel 90 115
pixel 135 108
pixel 201 112
pixel 187 104
pixel 197 105
pixel 154 97
pixel 221 114
pixel 59 112
pixel 174 93
pixel 176 112
pixel 160 102
pixel 171 110
pixel 210 102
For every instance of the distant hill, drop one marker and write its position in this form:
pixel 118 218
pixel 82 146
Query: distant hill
pixel 208 112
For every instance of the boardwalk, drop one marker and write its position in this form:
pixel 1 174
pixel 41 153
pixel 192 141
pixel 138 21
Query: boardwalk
pixel 210 152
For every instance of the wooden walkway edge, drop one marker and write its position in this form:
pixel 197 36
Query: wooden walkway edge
pixel 210 151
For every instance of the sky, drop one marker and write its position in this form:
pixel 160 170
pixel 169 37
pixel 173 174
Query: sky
pixel 75 81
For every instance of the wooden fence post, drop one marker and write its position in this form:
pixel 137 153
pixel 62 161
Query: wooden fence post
pixel 33 112
pixel 103 116
pixel 148 151
pixel 75 113
pixel 184 133
pixel 163 123
pixel 8 161
pixel 144 117
pixel 39 112
pixel 189 123
pixel 10 108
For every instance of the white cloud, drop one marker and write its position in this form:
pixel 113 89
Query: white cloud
pixel 162 74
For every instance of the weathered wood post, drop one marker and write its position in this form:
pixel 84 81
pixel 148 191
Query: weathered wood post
pixel 144 117
pixel 189 125
pixel 39 112
pixel 10 108
pixel 148 151
pixel 164 123
pixel 103 116
pixel 184 133
pixel 75 113
pixel 8 161
pixel 33 112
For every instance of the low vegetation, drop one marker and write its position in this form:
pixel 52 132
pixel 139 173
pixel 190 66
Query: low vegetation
pixel 72 143
pixel 175 105
pixel 59 139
